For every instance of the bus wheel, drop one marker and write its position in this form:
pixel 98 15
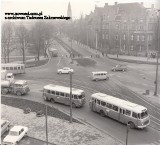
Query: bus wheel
pixel 52 100
pixel 4 91
pixel 73 105
pixel 18 93
pixel 102 113
pixel 132 125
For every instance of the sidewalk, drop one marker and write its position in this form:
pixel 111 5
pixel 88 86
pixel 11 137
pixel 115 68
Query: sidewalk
pixel 134 59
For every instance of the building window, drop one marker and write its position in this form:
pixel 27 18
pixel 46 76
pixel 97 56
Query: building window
pixel 124 37
pixel 141 27
pixel 138 38
pixel 132 37
pixel 140 48
pixel 143 38
pixel 124 47
pixel 131 47
pixel 150 37
pixel 103 36
pixel 107 26
pixel 117 26
pixel 107 36
pixel 116 37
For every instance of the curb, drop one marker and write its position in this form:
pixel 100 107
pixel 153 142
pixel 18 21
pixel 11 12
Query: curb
pixel 134 61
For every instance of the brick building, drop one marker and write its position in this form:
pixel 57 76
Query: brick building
pixel 124 28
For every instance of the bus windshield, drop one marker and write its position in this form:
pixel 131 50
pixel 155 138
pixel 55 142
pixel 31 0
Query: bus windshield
pixel 144 114
pixel 81 96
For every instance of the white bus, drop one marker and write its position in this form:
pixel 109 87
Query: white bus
pixel 61 94
pixel 14 68
pixel 99 75
pixel 121 110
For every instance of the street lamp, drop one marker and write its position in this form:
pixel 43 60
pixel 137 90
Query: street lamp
pixel 127 131
pixel 70 97
pixel 158 50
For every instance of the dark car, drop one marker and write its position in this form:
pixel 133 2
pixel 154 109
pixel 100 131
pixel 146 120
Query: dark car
pixel 119 68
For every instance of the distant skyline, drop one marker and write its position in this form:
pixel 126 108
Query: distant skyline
pixel 59 7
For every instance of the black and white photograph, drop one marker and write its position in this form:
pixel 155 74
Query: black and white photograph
pixel 80 72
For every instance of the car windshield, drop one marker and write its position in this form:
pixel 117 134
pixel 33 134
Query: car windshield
pixel 144 114
pixel 13 133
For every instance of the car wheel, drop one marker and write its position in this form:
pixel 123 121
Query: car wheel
pixel 102 113
pixel 4 91
pixel 52 100
pixel 114 70
pixel 60 72
pixel 18 93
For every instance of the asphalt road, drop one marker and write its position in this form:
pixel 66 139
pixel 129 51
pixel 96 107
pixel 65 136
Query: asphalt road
pixel 116 86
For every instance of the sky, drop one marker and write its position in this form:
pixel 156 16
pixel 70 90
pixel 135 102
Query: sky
pixel 59 7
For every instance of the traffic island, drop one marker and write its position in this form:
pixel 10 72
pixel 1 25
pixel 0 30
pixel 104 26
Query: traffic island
pixel 85 62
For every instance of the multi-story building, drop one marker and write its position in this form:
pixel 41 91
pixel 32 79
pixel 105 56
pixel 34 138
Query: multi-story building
pixel 124 28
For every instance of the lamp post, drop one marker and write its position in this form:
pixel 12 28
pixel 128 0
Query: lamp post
pixel 46 126
pixel 158 50
pixel 127 131
pixel 70 97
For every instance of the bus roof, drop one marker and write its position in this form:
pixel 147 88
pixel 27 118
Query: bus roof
pixel 98 72
pixel 11 64
pixel 119 102
pixel 63 89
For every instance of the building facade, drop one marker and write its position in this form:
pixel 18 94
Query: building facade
pixel 127 28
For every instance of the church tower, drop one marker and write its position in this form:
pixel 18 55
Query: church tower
pixel 69 11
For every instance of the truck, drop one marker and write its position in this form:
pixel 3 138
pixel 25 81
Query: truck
pixel 10 85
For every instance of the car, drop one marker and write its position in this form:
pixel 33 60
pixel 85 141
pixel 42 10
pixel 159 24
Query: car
pixel 119 68
pixel 5 125
pixel 65 70
pixel 15 135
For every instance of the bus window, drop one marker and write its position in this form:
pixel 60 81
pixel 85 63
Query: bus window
pixel 15 68
pixel 53 92
pixel 57 93
pixel 7 68
pixel 48 91
pixel 109 106
pixel 62 94
pixel 103 103
pixel 134 115
pixel 67 95
pixel 124 112
pixel 19 67
pixel 98 102
pixel 4 68
pixel 75 97
pixel 120 110
pixel 115 108
pixel 128 112
pixel 11 68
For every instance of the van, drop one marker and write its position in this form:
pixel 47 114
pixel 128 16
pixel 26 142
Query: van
pixel 100 75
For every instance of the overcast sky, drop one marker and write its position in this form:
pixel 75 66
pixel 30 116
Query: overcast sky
pixel 59 7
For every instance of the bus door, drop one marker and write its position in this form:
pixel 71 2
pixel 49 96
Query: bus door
pixel 113 113
pixel 67 99
pixel 122 116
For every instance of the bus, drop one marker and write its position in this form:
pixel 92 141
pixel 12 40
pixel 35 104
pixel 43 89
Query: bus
pixel 53 52
pixel 99 75
pixel 15 68
pixel 123 111
pixel 61 94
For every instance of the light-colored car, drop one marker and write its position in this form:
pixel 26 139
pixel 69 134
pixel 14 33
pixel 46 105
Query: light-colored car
pixel 65 70
pixel 119 68
pixel 15 135
pixel 5 124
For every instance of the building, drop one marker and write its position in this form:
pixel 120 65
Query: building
pixel 124 28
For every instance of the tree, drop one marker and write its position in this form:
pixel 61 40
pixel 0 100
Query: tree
pixel 22 35
pixel 7 39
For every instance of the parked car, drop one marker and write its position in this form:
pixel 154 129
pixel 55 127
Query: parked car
pixel 15 135
pixel 65 70
pixel 119 68
pixel 5 124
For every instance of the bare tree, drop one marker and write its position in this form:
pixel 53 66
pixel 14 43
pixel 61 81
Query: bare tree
pixel 22 35
pixel 7 40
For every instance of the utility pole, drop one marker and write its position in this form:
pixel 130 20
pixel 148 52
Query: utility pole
pixel 46 126
pixel 127 131
pixel 70 97
pixel 158 50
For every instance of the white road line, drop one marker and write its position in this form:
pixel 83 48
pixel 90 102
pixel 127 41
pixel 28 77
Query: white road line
pixel 155 118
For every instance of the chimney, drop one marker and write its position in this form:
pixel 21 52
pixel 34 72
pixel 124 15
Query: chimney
pixel 115 3
pixel 152 6
pixel 106 4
